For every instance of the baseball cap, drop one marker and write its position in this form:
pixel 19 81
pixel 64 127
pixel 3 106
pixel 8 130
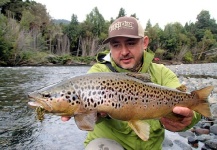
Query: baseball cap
pixel 125 27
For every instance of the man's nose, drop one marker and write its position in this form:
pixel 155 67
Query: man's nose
pixel 124 50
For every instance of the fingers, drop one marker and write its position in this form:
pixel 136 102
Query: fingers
pixel 184 111
pixel 174 126
pixel 65 118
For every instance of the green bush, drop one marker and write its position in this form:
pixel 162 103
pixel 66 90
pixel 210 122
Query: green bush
pixel 159 53
pixel 188 58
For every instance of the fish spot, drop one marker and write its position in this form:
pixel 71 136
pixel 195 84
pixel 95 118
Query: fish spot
pixel 74 98
pixel 67 97
pixel 69 93
pixel 94 105
pixel 46 95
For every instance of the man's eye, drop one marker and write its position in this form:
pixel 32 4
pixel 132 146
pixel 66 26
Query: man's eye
pixel 115 45
pixel 131 43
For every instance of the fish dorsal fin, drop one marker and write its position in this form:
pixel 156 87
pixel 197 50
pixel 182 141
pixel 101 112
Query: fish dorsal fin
pixel 182 88
pixel 86 120
pixel 141 128
pixel 141 76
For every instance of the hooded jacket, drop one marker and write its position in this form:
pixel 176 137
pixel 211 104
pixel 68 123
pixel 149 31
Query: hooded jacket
pixel 119 130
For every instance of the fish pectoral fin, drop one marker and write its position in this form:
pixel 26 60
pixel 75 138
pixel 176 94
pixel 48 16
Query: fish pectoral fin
pixel 141 76
pixel 141 128
pixel 86 120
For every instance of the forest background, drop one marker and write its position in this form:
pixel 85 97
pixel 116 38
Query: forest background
pixel 29 36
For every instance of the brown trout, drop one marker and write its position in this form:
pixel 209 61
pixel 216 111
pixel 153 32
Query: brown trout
pixel 123 96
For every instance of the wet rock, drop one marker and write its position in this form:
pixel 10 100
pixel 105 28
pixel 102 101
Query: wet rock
pixel 167 142
pixel 193 142
pixel 203 138
pixel 212 144
pixel 213 129
pixel 199 131
pixel 206 125
pixel 182 145
pixel 186 134
pixel 205 148
pixel 214 110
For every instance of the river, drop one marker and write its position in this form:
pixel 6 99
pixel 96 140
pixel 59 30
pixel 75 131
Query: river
pixel 18 127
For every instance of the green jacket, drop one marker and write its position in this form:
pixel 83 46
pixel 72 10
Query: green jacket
pixel 119 130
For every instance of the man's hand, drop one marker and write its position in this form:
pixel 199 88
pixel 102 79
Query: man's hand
pixel 178 125
pixel 64 119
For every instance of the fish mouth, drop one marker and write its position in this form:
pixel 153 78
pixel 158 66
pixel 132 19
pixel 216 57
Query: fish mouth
pixel 37 102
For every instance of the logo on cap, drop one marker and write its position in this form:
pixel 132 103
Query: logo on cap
pixel 119 25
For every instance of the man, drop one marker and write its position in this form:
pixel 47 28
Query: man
pixel 128 54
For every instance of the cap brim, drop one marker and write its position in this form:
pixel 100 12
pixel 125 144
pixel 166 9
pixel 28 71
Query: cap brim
pixel 129 36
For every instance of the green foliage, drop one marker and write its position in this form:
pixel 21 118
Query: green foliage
pixel 34 57
pixel 159 53
pixel 86 59
pixel 188 58
pixel 168 56
pixel 121 13
pixel 203 23
pixel 68 59
pixel 213 59
pixel 5 45
pixel 32 36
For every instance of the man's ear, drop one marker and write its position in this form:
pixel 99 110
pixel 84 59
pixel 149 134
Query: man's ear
pixel 146 42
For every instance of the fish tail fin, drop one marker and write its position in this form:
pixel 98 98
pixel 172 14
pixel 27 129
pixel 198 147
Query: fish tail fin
pixel 141 128
pixel 203 106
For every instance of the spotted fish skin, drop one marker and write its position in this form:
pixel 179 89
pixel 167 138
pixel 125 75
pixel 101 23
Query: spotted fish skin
pixel 123 96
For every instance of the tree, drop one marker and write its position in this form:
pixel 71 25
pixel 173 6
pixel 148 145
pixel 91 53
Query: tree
pixel 206 42
pixel 3 2
pixel 121 13
pixel 14 8
pixel 5 45
pixel 154 33
pixel 73 32
pixel 91 31
pixel 203 23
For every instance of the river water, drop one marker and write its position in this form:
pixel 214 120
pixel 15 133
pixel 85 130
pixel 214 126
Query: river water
pixel 20 130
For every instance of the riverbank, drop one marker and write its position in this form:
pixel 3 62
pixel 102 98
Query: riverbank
pixel 204 134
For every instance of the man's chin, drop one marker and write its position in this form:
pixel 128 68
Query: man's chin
pixel 127 67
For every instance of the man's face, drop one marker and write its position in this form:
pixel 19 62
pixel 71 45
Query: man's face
pixel 127 52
